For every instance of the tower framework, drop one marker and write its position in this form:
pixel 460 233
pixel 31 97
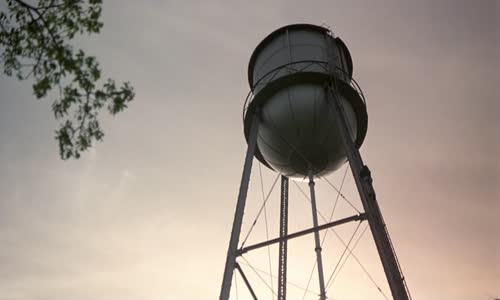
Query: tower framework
pixel 344 106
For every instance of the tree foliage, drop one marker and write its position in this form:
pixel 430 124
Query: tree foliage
pixel 35 42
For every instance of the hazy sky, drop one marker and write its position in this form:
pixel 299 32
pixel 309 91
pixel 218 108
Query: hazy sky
pixel 147 214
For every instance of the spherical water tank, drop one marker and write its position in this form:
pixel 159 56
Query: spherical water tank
pixel 289 73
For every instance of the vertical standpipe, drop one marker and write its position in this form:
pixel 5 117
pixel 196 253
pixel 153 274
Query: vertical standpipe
pixel 283 245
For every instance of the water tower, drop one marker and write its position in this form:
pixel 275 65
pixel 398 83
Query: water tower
pixel 304 118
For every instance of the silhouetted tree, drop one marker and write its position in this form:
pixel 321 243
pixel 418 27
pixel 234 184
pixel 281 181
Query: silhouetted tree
pixel 35 42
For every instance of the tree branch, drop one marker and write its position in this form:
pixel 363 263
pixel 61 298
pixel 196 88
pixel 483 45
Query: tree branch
pixel 26 5
pixel 31 8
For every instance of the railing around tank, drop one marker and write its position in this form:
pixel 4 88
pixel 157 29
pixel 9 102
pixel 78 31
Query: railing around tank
pixel 290 67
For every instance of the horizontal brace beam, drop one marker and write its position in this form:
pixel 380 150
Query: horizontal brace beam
pixel 359 217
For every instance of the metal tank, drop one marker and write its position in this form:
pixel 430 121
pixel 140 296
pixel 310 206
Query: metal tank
pixel 289 73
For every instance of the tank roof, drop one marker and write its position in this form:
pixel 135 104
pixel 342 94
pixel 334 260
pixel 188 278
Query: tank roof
pixel 271 36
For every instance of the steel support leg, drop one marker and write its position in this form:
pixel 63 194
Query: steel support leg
pixel 316 239
pixel 240 208
pixel 363 181
pixel 283 243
